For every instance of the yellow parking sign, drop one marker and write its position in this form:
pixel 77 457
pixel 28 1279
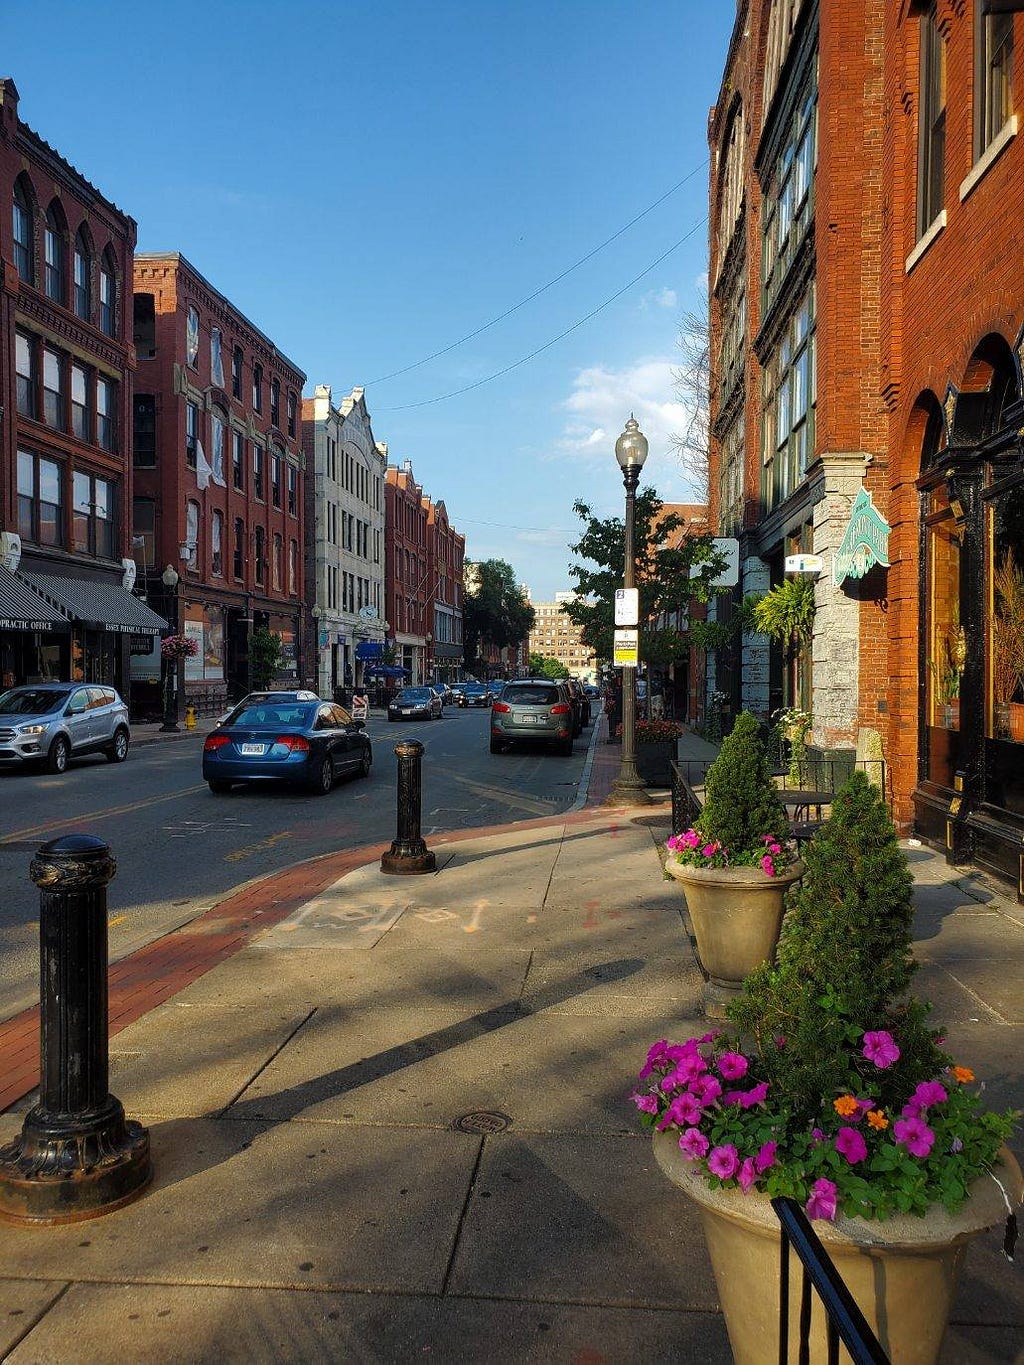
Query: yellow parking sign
pixel 627 648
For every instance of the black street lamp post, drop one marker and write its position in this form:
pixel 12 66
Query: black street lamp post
pixel 169 578
pixel 630 452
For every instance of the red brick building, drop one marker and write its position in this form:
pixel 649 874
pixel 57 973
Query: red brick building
pixel 66 360
pixel 867 316
pixel 446 554
pixel 218 499
pixel 407 583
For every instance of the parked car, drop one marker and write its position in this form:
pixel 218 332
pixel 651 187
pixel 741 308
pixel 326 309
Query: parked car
pixel 440 690
pixel 475 694
pixel 286 737
pixel 53 722
pixel 457 689
pixel 415 703
pixel 532 710
pixel 580 704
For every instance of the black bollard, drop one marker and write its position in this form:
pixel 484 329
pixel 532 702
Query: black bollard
pixel 408 853
pixel 77 1156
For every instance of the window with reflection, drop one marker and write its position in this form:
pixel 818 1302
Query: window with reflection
pixel 83 296
pixel 946 643
pixel 108 296
pixel 53 389
pixel 40 499
pixel 1006 618
pixel 53 254
pixel 22 225
pixel 25 365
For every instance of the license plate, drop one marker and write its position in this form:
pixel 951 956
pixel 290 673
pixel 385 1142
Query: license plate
pixel 255 749
pixel 526 720
pixel 407 712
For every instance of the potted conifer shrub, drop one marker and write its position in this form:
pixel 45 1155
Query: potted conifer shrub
pixel 832 1089
pixel 736 864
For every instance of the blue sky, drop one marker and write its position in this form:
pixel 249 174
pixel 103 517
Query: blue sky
pixel 371 182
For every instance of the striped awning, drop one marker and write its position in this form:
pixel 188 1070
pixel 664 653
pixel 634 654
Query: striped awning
pixel 106 606
pixel 22 608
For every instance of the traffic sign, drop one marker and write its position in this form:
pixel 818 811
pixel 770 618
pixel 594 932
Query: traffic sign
pixel 627 648
pixel 627 606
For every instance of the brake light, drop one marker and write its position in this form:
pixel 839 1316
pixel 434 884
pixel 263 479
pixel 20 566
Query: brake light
pixel 501 706
pixel 561 709
pixel 298 744
pixel 213 742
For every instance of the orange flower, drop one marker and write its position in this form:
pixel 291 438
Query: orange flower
pixel 962 1073
pixel 877 1119
pixel 845 1106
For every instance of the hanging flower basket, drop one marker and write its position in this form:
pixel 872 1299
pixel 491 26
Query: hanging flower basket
pixel 178 647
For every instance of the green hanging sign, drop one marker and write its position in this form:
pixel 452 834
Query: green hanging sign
pixel 865 543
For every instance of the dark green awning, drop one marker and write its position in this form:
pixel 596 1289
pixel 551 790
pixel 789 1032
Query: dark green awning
pixel 22 608
pixel 107 606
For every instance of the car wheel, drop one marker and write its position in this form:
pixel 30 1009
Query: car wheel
pixel 323 781
pixel 118 751
pixel 218 788
pixel 364 765
pixel 496 746
pixel 57 758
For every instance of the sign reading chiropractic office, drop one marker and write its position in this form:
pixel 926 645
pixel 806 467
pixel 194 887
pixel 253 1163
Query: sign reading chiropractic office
pixel 865 543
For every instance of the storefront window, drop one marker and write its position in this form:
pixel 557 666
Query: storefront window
pixel 946 641
pixel 1006 616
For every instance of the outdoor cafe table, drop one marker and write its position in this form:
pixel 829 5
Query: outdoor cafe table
pixel 804 800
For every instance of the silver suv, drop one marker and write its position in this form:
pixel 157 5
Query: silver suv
pixel 532 709
pixel 53 722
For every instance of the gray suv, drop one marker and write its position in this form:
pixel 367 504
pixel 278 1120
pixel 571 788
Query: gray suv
pixel 53 722
pixel 532 709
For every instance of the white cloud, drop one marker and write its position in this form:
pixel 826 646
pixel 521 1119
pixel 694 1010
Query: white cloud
pixel 659 298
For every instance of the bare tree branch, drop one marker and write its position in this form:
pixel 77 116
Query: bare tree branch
pixel 693 388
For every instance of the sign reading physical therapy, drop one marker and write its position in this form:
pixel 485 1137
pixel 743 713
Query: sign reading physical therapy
pixel 866 542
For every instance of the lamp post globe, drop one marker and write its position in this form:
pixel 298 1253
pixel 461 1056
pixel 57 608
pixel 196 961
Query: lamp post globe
pixel 170 579
pixel 630 452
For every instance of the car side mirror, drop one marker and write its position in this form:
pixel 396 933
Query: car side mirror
pixel 355 725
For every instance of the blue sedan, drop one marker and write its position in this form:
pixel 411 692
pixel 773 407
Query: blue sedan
pixel 282 738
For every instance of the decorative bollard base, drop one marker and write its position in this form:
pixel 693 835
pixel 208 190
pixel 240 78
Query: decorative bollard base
pixel 403 859
pixel 53 1173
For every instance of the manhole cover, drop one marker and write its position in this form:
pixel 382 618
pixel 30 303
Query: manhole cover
pixel 482 1121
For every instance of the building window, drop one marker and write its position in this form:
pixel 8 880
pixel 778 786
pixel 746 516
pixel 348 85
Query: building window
pixel 40 499
pixel 788 210
pixel 216 358
pixel 238 460
pixel 236 373
pixel 108 296
pixel 192 338
pixel 218 423
pixel 106 415
pixel 293 566
pixel 258 464
pixel 92 523
pixel 261 556
pixel 278 563
pixel 53 244
pixel 931 132
pixel 144 431
pixel 291 413
pixel 293 490
pixel 192 534
pixel 83 292
pixel 790 394
pixel 144 325
pixel 275 404
pixel 238 556
pixel 25 364
pixel 216 544
pixel 257 388
pixel 275 478
pixel 80 405
pixel 24 256
pixel 730 478
pixel 144 531
pixel 53 390
pixel 191 434
pixel 993 81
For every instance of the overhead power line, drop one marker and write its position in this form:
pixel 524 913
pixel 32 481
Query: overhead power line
pixel 544 287
pixel 454 393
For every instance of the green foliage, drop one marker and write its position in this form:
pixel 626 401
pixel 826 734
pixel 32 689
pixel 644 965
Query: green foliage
pixel 543 666
pixel 844 964
pixel 786 614
pixel 742 802
pixel 668 576
pixel 496 612
pixel 265 656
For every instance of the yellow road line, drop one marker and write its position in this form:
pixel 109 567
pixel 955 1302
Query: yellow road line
pixel 98 814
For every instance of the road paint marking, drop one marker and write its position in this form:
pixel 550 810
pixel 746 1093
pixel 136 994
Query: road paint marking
pixel 261 847
pixel 118 919
pixel 77 820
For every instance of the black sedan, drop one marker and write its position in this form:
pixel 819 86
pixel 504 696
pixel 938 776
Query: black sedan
pixel 475 694
pixel 286 739
pixel 415 703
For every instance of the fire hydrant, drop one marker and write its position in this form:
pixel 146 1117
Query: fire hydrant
pixel 190 717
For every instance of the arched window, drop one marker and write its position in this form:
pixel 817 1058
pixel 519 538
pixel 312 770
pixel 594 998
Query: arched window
pixel 24 255
pixel 83 266
pixel 108 295
pixel 278 561
pixel 217 544
pixel 55 256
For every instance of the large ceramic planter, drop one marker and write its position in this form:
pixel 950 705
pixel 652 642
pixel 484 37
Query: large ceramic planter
pixel 736 914
pixel 901 1271
pixel 653 761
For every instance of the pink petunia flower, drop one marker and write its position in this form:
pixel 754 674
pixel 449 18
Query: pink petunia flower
pixel 732 1065
pixel 648 1103
pixel 747 1174
pixel 767 866
pixel 879 1047
pixel 693 1143
pixel 817 1135
pixel 707 1089
pixel 656 1056
pixel 684 1109
pixel 928 1093
pixel 914 1134
pixel 822 1203
pixel 709 850
pixel 724 1161
pixel 765 1157
pixel 746 1099
pixel 850 1144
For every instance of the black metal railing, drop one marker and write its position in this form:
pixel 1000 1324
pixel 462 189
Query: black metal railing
pixel 844 1321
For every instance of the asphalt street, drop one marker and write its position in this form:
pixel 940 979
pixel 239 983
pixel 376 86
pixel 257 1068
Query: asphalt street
pixel 180 849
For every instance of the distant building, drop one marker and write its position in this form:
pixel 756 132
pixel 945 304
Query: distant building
pixel 345 544
pixel 66 605
pixel 218 469
pixel 407 584
pixel 556 637
pixel 446 553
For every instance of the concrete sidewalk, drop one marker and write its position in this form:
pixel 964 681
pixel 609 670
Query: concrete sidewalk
pixel 395 1123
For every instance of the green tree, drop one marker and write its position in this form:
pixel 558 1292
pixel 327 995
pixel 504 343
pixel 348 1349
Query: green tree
pixel 669 575
pixel 543 666
pixel 265 655
pixel 496 612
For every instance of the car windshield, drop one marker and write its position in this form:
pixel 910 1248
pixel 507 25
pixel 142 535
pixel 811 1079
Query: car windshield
pixel 31 701
pixel 294 715
pixel 475 687
pixel 531 694
pixel 414 694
